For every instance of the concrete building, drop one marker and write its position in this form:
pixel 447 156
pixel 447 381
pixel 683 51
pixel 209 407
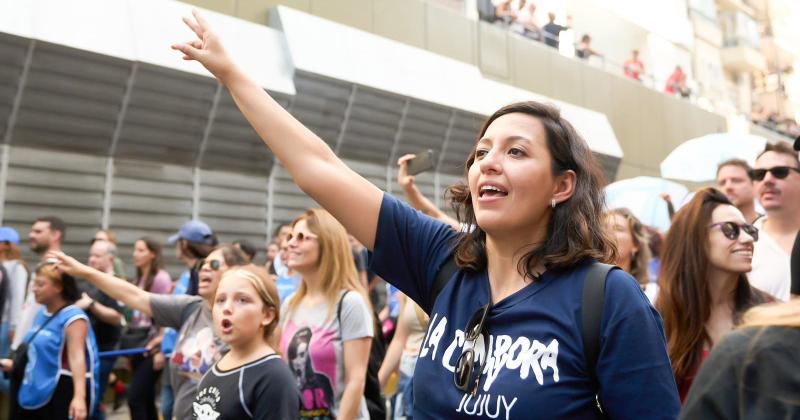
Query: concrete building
pixel 104 125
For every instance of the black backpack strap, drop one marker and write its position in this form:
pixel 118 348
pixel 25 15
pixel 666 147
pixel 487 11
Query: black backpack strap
pixel 339 307
pixel 445 273
pixel 592 302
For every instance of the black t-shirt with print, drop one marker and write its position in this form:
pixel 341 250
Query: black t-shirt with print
pixel 262 389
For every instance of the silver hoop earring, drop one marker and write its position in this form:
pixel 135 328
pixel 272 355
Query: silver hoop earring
pixel 553 203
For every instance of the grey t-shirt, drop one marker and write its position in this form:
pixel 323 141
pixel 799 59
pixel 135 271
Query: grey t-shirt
pixel 196 349
pixel 311 343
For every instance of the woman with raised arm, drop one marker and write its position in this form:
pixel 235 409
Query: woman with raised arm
pixel 198 347
pixel 505 337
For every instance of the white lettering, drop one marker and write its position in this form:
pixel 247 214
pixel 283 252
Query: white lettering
pixel 496 412
pixel 550 358
pixel 537 349
pixel 461 404
pixel 474 407
pixel 484 403
pixel 424 346
pixel 520 347
pixel 508 407
pixel 458 341
pixel 436 336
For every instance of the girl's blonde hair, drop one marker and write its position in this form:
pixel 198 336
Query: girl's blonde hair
pixel 784 314
pixel 264 286
pixel 336 266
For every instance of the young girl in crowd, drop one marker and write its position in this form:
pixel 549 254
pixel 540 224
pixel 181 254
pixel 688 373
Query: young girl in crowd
pixel 141 332
pixel 250 380
pixel 633 251
pixel 504 338
pixel 704 290
pixel 197 347
pixel 53 387
pixel 327 324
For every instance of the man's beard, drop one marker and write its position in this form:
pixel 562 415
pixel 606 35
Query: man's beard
pixel 39 248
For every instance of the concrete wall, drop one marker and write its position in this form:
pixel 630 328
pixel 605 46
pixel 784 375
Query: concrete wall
pixel 648 123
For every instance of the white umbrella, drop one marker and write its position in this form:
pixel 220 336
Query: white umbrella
pixel 641 195
pixel 696 160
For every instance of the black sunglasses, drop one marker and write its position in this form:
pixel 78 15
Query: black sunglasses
pixel 731 230
pixel 467 374
pixel 779 172
pixel 214 265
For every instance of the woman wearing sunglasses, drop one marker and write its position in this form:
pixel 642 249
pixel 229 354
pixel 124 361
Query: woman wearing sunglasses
pixel 704 290
pixel 534 194
pixel 198 347
pixel 327 323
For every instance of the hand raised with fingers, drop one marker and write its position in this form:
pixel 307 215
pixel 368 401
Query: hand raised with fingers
pixel 207 49
pixel 403 178
pixel 66 264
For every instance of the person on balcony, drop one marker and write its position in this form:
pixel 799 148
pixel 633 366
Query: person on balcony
pixel 584 49
pixel 676 84
pixel 634 68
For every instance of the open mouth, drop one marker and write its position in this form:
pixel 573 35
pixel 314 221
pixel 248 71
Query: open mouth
pixel 226 326
pixel 491 191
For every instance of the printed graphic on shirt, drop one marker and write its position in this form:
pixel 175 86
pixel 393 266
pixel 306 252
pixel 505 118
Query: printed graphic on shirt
pixel 196 354
pixel 312 359
pixel 205 408
pixel 532 359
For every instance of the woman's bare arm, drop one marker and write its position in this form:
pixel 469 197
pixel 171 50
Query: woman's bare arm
pixel 353 200
pixel 76 341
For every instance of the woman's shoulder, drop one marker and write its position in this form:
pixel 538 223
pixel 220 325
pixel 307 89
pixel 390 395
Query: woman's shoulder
pixel 352 297
pixel 617 280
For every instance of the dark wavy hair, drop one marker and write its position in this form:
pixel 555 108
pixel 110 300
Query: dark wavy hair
pixel 574 232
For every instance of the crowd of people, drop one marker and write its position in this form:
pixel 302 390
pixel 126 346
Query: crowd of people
pixel 535 300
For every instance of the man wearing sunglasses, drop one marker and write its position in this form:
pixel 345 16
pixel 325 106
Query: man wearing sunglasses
pixel 777 180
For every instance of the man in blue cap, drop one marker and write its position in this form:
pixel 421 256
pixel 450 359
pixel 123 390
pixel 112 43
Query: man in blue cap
pixel 193 242
pixel 9 235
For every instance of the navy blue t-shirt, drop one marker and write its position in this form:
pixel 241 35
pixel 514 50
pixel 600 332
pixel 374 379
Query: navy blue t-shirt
pixel 533 359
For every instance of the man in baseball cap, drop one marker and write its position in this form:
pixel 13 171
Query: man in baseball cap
pixel 194 231
pixel 9 235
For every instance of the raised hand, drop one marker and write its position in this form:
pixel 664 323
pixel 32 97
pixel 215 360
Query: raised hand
pixel 67 264
pixel 207 49
pixel 403 178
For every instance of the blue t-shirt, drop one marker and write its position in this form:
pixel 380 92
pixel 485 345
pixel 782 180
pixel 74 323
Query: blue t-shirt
pixel 170 335
pixel 533 359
